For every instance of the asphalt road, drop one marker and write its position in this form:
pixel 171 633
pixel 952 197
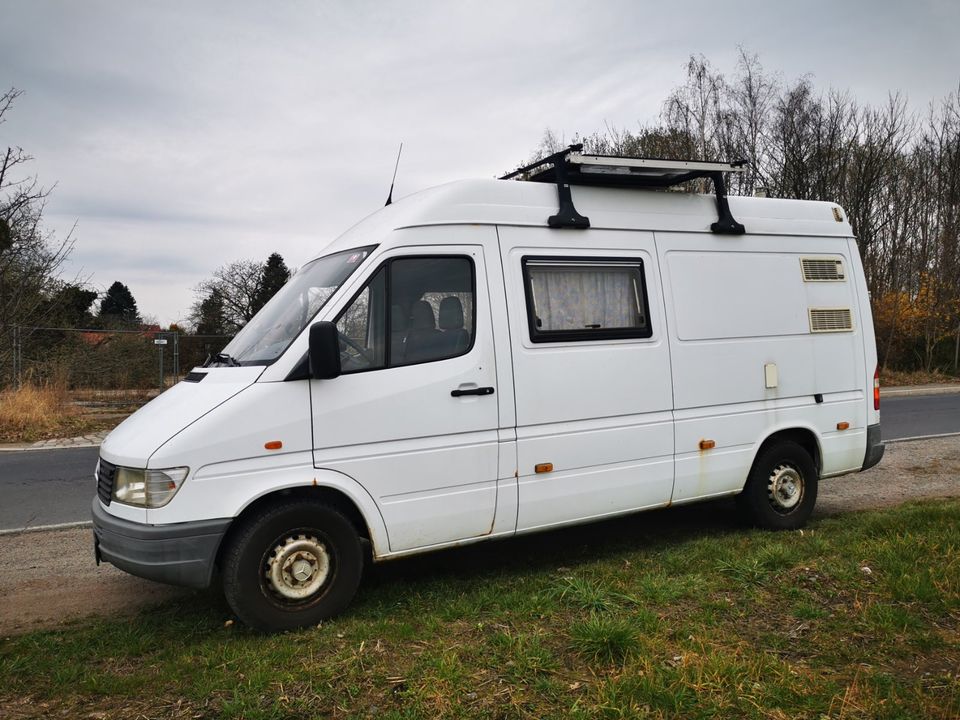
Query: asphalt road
pixel 46 487
pixel 919 415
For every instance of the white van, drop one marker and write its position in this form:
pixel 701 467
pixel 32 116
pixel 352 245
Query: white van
pixel 496 357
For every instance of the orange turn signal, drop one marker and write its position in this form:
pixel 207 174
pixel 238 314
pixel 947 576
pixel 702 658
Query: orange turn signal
pixel 708 444
pixel 543 467
pixel 273 445
pixel 843 425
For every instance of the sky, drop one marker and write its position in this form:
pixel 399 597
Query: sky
pixel 180 136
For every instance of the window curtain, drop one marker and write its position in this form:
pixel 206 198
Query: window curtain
pixel 577 299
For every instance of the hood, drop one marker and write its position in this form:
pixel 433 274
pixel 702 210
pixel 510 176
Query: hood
pixel 134 440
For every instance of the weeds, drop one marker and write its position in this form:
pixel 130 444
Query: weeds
pixel 604 639
pixel 34 411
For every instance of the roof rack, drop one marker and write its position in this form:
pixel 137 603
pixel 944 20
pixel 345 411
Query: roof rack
pixel 570 167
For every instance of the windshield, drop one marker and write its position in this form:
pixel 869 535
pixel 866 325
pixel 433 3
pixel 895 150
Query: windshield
pixel 267 335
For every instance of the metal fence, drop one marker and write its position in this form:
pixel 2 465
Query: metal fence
pixel 92 358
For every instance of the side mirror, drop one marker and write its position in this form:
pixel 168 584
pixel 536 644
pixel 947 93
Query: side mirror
pixel 324 351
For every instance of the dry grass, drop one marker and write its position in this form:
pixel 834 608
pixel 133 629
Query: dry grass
pixel 35 412
pixel 42 411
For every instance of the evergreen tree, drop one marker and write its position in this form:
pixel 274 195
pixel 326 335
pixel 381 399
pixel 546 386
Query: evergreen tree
pixel 71 306
pixel 275 275
pixel 208 315
pixel 118 306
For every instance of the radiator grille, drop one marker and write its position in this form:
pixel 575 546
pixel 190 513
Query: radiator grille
pixel 822 269
pixel 825 320
pixel 105 474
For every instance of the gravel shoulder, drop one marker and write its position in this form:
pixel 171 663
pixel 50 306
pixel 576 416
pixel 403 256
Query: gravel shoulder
pixel 48 579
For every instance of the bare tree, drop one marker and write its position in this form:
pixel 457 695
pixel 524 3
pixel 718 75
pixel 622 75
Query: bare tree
pixel 238 286
pixel 896 175
pixel 30 257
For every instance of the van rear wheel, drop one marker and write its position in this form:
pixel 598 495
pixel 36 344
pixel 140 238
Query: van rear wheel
pixel 292 565
pixel 781 488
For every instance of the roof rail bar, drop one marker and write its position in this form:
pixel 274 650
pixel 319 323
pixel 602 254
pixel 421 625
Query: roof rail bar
pixel 570 167
pixel 567 215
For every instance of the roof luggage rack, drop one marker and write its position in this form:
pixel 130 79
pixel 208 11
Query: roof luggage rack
pixel 570 167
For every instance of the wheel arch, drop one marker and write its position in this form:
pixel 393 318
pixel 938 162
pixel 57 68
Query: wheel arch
pixel 804 436
pixel 332 488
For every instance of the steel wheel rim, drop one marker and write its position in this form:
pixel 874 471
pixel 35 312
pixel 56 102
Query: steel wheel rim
pixel 296 567
pixel 785 488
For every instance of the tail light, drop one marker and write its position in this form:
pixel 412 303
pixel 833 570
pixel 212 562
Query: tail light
pixel 876 388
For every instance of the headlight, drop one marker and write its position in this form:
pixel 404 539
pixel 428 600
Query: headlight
pixel 147 488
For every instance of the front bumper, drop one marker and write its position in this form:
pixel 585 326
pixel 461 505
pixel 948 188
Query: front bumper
pixel 178 554
pixel 875 448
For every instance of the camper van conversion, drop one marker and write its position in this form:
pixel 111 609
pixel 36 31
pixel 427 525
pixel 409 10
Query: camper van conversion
pixel 495 357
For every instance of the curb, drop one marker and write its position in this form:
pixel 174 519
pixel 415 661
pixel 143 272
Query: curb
pixel 898 391
pixel 31 448
pixel 46 528
pixel 86 441
pixel 916 438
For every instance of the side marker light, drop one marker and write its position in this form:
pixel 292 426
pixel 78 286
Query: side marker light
pixel 273 445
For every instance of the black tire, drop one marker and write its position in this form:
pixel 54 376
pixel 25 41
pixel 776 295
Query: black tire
pixel 298 546
pixel 769 498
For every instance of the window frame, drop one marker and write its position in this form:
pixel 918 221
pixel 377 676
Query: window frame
pixel 387 291
pixel 585 335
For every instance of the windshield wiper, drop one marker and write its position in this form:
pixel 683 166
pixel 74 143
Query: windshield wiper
pixel 222 359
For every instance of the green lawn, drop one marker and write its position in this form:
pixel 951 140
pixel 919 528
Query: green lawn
pixel 676 613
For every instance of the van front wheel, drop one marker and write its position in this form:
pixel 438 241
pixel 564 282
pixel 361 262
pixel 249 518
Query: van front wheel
pixel 292 565
pixel 781 489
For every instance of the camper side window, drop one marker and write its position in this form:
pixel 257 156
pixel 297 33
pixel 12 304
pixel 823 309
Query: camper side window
pixel 414 310
pixel 582 299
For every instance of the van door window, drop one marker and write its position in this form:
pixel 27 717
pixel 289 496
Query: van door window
pixel 585 299
pixel 431 314
pixel 360 327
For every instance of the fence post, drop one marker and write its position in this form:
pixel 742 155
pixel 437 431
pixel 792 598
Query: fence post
pixel 176 356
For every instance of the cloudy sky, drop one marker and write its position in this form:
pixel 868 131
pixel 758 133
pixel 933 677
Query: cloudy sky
pixel 184 135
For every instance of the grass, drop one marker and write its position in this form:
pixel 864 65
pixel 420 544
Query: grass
pixel 676 613
pixel 34 412
pixel 49 410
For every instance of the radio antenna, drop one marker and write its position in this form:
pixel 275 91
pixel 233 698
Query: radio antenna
pixel 394 179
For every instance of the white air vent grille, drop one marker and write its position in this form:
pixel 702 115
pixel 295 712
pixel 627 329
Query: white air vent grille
pixel 825 320
pixel 822 269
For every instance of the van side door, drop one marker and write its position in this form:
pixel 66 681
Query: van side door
pixel 414 417
pixel 591 371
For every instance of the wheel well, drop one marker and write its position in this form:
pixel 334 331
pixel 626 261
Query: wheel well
pixel 331 496
pixel 802 437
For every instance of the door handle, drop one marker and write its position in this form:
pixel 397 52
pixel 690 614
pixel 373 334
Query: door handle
pixel 472 391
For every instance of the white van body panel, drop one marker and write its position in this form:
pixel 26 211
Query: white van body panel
pixel 866 323
pixel 619 421
pixel 138 436
pixel 737 305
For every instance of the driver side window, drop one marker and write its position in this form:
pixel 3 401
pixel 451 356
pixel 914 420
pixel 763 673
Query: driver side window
pixel 414 310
